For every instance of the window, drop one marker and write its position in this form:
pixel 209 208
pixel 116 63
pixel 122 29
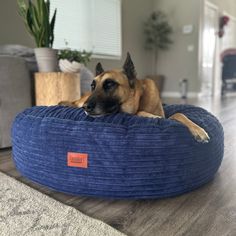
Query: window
pixel 92 25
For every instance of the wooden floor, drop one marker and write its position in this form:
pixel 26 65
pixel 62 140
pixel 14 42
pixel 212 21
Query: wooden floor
pixel 210 210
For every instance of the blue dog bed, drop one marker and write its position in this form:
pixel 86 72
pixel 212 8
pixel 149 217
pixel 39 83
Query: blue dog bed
pixel 116 156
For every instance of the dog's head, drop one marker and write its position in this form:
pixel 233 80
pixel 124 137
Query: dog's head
pixel 111 89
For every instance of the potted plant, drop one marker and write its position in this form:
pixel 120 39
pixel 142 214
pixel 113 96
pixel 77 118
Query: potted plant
pixel 72 60
pixel 157 37
pixel 37 20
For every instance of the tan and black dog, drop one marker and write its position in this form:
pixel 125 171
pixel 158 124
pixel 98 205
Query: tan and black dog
pixel 116 91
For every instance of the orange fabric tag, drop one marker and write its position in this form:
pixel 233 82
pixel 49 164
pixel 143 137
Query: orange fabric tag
pixel 75 159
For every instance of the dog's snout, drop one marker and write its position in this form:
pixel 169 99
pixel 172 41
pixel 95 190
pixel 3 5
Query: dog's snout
pixel 101 105
pixel 89 106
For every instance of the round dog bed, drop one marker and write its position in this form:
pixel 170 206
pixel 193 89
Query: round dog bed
pixel 116 156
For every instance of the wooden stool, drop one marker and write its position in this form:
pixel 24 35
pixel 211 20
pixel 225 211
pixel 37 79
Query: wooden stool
pixel 52 88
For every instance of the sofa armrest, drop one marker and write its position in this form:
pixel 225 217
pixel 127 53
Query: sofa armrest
pixel 15 93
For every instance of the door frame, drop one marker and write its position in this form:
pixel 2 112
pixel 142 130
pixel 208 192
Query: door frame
pixel 203 4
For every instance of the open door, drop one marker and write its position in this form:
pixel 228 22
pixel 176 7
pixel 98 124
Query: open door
pixel 209 42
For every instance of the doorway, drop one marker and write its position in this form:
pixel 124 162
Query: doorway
pixel 229 39
pixel 209 49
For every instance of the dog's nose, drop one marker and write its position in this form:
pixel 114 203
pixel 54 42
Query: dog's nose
pixel 89 106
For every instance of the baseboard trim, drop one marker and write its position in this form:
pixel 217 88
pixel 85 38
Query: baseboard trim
pixel 177 95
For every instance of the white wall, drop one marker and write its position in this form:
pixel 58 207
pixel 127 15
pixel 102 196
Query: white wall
pixel 178 63
pixel 11 25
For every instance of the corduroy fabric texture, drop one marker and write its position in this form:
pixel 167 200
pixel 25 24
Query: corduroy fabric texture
pixel 128 156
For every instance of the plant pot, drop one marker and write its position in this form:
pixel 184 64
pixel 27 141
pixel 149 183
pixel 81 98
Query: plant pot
pixel 70 67
pixel 159 80
pixel 46 59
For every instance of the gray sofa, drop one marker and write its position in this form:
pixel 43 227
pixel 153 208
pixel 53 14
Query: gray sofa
pixel 15 93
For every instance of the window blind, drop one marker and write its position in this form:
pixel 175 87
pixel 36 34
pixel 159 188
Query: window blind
pixel 92 25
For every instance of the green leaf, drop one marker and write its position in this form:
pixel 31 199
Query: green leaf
pixel 36 16
pixel 52 26
pixel 29 18
pixel 46 23
pixel 48 8
pixel 22 8
pixel 42 42
pixel 74 55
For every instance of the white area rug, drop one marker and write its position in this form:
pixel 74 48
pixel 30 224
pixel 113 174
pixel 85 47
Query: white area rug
pixel 25 211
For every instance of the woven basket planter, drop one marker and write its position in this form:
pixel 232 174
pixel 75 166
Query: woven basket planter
pixel 115 156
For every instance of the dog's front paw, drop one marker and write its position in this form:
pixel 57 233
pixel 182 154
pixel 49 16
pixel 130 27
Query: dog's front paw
pixel 199 134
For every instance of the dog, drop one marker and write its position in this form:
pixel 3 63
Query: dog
pixel 117 90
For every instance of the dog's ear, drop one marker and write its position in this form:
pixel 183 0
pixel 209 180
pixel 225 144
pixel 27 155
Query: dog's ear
pixel 129 70
pixel 99 70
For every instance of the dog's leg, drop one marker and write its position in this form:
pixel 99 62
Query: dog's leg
pixel 78 103
pixel 199 133
pixel 146 114
pixel 82 100
pixel 66 103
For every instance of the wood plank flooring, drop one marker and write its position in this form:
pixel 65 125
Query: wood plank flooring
pixel 210 210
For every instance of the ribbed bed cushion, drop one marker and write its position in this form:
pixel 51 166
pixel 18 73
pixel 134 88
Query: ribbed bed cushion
pixel 127 156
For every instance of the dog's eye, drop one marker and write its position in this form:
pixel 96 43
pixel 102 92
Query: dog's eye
pixel 109 84
pixel 93 85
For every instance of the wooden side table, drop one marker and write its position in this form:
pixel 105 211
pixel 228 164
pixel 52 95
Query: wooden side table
pixel 52 88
